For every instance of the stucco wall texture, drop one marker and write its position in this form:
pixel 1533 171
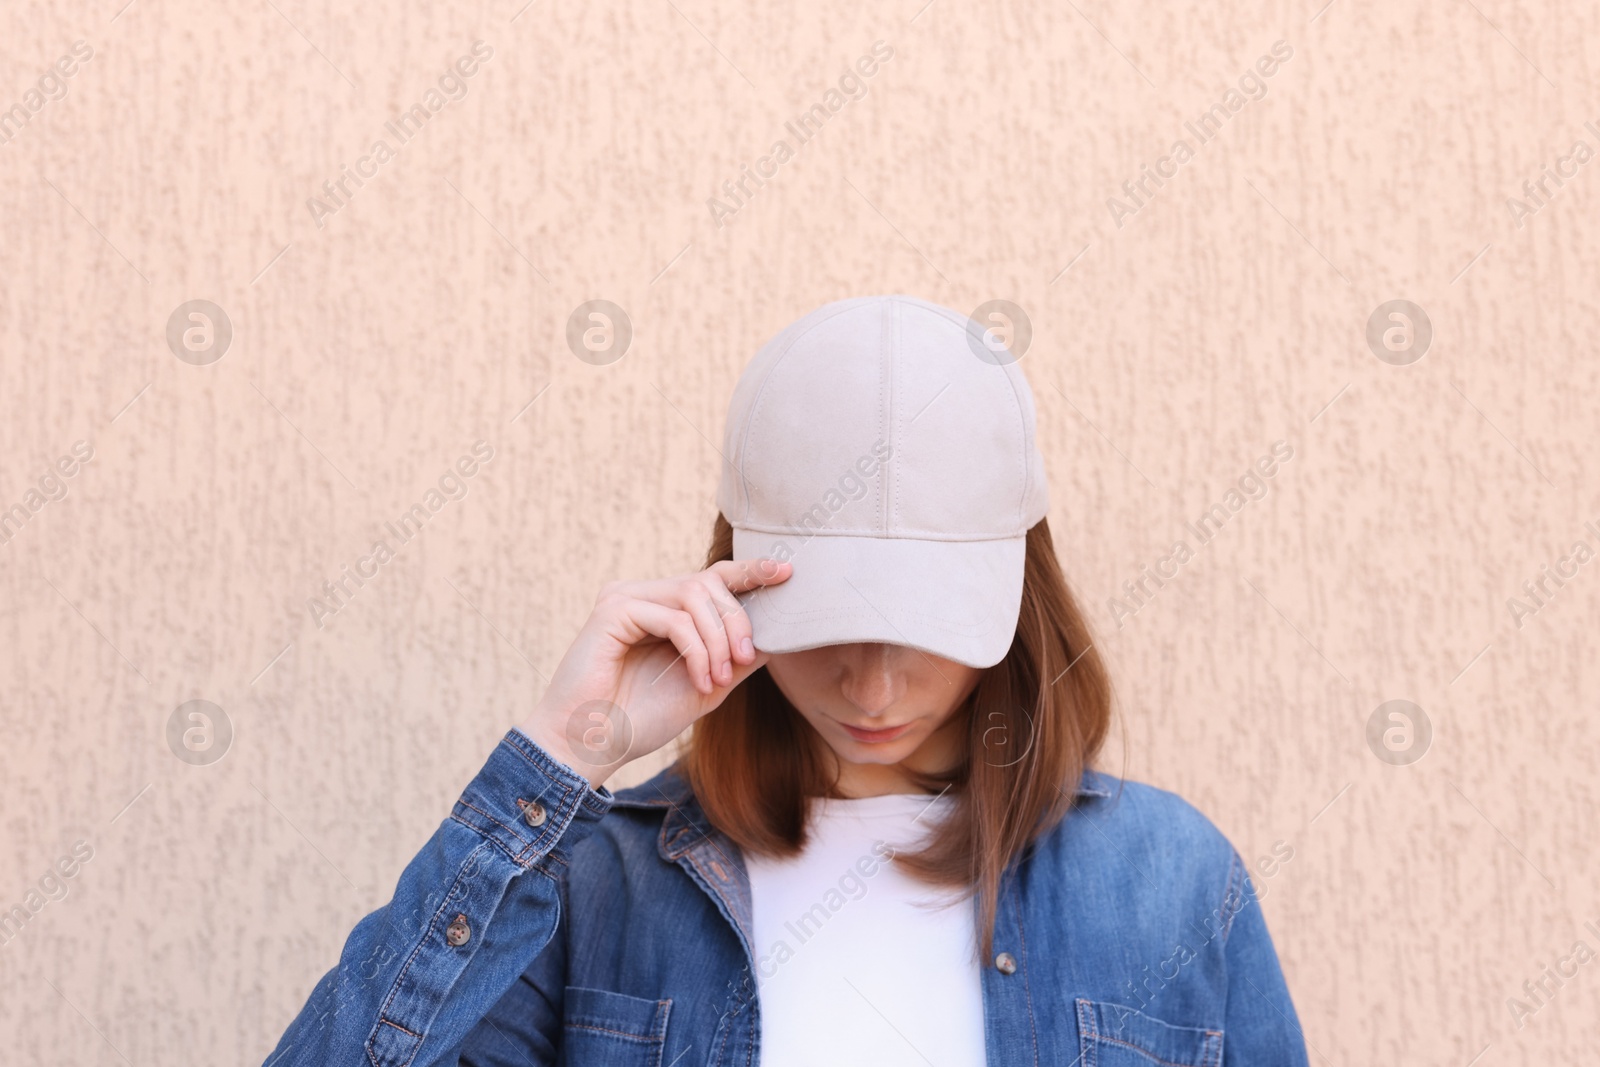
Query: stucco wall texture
pixel 1178 334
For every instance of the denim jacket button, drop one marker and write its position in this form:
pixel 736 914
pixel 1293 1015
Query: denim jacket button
pixel 1005 963
pixel 533 812
pixel 458 931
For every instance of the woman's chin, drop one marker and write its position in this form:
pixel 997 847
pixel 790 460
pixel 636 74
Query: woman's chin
pixel 878 754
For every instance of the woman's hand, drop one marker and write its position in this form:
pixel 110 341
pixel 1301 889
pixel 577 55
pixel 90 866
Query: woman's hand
pixel 652 658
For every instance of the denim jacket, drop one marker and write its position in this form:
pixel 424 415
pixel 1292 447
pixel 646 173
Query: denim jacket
pixel 547 922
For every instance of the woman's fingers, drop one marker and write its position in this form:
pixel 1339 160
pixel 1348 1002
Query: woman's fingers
pixel 735 622
pixel 677 626
pixel 696 597
pixel 744 575
pixel 708 602
pixel 736 577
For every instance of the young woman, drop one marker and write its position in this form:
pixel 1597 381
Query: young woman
pixel 881 842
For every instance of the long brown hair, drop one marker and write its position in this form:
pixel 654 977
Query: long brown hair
pixel 1035 721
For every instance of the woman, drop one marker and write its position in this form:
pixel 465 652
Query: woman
pixel 881 843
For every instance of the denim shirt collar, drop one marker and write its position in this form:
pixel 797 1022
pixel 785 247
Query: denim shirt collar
pixel 709 857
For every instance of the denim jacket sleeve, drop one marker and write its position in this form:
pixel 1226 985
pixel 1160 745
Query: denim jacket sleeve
pixel 1261 1024
pixel 470 912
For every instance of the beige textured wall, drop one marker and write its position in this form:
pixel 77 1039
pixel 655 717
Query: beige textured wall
pixel 371 351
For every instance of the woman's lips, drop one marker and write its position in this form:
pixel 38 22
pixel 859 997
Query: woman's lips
pixel 876 737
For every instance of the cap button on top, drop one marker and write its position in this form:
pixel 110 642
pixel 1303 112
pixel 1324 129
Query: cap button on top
pixel 1005 963
pixel 533 812
pixel 458 932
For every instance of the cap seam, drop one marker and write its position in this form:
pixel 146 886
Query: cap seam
pixel 934 622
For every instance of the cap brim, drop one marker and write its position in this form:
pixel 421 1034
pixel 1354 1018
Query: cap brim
pixel 955 599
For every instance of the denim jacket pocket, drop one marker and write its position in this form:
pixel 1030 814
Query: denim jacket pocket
pixel 1111 1035
pixel 612 1029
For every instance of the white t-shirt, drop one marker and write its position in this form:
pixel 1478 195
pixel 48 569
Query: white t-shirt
pixel 857 962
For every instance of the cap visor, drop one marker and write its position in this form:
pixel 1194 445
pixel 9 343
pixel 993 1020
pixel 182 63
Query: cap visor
pixel 955 599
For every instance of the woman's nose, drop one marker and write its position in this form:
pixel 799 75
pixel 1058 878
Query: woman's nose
pixel 872 683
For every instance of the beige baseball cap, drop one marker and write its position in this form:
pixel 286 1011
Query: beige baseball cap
pixel 885 446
